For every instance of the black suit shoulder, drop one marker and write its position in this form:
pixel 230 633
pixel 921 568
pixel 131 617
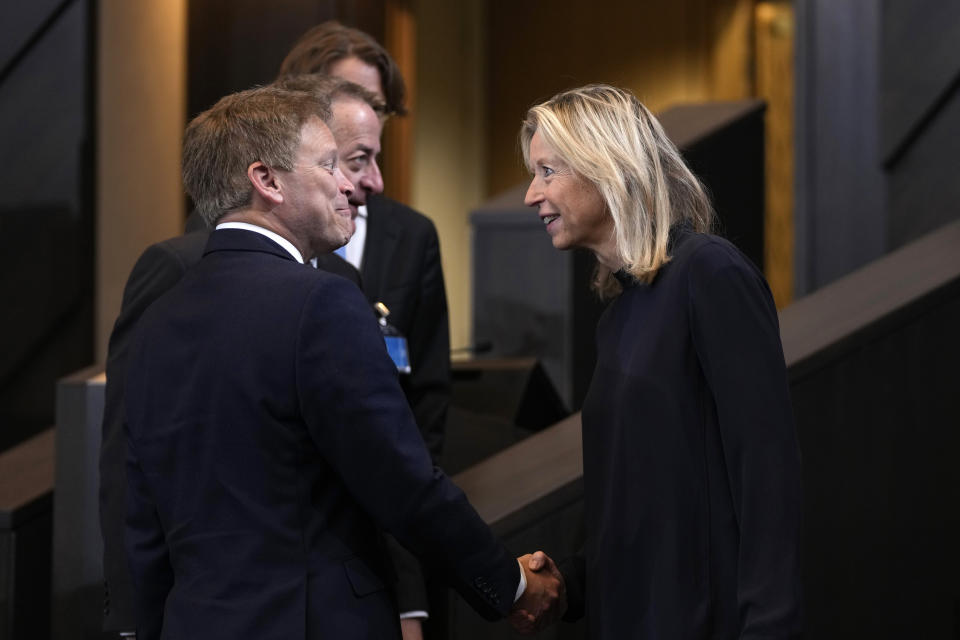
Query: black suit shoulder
pixel 336 451
pixel 401 246
pixel 159 267
pixel 156 271
pixel 332 263
pixel 403 214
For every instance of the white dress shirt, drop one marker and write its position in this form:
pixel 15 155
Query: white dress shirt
pixel 280 240
pixel 353 250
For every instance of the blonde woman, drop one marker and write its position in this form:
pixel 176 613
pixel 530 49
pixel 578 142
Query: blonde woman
pixel 691 462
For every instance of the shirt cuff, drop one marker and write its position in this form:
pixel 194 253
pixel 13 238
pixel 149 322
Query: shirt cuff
pixel 414 614
pixel 523 583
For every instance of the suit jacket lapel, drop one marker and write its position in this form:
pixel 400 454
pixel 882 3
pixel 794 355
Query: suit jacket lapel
pixel 383 236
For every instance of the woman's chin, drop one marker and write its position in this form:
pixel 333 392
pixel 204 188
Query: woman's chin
pixel 561 243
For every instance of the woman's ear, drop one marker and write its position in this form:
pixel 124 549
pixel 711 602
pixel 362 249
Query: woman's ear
pixel 265 182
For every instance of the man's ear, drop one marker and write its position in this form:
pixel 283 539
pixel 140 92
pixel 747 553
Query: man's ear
pixel 265 183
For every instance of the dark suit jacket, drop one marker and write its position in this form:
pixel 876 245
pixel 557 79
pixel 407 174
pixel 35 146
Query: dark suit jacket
pixel 401 268
pixel 157 270
pixel 268 439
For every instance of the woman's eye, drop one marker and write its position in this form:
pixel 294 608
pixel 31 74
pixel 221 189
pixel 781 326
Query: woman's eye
pixel 547 172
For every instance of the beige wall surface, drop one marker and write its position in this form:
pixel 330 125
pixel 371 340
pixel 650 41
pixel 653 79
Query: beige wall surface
pixel 449 139
pixel 140 118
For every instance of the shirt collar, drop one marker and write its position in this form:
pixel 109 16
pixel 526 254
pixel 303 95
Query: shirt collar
pixel 280 240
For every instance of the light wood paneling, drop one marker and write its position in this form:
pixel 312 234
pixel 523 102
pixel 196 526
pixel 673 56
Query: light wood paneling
pixel 401 41
pixel 774 73
pixel 666 52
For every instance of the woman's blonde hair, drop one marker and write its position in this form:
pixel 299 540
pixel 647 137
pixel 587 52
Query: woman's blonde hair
pixel 607 136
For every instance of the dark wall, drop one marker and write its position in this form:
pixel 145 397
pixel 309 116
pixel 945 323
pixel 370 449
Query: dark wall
pixel 878 117
pixel 840 217
pixel 878 430
pixel 920 115
pixel 722 143
pixel 235 44
pixel 46 207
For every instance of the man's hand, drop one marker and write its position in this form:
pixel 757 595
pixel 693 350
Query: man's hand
pixel 545 598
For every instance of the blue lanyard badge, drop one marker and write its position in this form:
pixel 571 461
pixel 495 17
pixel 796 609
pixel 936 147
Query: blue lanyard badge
pixel 396 343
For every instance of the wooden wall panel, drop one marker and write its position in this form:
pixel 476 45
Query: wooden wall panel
pixel 401 41
pixel 666 52
pixel 774 83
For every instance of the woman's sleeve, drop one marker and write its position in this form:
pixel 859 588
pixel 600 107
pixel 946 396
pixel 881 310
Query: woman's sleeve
pixel 574 571
pixel 737 339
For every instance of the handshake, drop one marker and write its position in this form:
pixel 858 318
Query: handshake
pixel 545 599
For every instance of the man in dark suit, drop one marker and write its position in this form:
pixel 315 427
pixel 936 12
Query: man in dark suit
pixel 157 270
pixel 268 438
pixel 397 252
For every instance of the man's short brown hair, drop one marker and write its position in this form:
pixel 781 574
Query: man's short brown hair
pixel 332 88
pixel 261 124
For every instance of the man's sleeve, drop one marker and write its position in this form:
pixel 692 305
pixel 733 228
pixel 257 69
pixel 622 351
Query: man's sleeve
pixel 155 272
pixel 737 340
pixel 357 414
pixel 411 587
pixel 152 574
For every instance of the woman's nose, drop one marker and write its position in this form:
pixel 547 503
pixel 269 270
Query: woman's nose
pixel 534 195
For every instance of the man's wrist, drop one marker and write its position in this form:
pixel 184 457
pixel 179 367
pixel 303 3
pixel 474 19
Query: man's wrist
pixel 523 582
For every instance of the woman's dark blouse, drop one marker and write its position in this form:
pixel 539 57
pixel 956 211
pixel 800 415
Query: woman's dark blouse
pixel 691 462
